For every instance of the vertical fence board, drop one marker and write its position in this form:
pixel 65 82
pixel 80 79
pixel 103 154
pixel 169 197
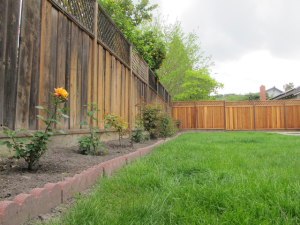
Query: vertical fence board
pixel 94 79
pixel 113 86
pixel 3 38
pixel 10 79
pixel 28 60
pixel 127 91
pixel 78 78
pixel 63 47
pixel 101 68
pixel 73 77
pixel 107 82
pixel 122 92
pixel 86 79
pixel 44 80
pixel 118 88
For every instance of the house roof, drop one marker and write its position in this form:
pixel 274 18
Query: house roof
pixel 274 88
pixel 287 94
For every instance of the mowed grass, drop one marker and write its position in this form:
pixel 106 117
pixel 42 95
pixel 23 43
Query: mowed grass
pixel 202 178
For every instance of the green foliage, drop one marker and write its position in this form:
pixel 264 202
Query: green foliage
pixel 239 97
pixel 178 123
pixel 127 17
pixel 197 86
pixel 136 136
pixel 288 86
pixel 117 123
pixel 184 58
pixel 90 145
pixel 152 50
pixel 33 147
pixel 149 117
pixel 166 125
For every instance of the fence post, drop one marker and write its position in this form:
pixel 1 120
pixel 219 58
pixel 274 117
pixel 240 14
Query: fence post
pixel 284 116
pixel 94 86
pixel 195 116
pixel 147 100
pixel 224 116
pixel 130 95
pixel 254 115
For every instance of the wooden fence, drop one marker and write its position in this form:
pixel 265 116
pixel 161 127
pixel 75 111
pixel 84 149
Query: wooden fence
pixel 243 115
pixel 71 44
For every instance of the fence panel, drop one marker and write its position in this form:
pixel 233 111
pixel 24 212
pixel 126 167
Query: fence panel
pixel 269 115
pixel 80 10
pixel 152 79
pixel 185 111
pixel 210 115
pixel 243 115
pixel 28 69
pixel 292 110
pixel 239 115
pixel 139 66
pixel 9 27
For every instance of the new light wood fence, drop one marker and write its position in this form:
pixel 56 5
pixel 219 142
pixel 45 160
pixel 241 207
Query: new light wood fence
pixel 243 115
pixel 71 44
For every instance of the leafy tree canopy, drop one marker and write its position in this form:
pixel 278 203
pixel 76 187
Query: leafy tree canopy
pixel 197 86
pixel 127 17
pixel 288 86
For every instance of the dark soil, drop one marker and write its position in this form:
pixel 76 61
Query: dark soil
pixel 56 165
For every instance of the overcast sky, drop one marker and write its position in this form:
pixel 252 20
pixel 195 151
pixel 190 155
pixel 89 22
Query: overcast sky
pixel 252 42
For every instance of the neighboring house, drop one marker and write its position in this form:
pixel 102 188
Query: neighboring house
pixel 291 94
pixel 273 92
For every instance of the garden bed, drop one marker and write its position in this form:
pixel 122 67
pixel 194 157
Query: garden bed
pixel 56 165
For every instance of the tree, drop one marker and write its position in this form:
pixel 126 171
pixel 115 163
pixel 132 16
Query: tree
pixel 288 86
pixel 127 17
pixel 183 54
pixel 197 86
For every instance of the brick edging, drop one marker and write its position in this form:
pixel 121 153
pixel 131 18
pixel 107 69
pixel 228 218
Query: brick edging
pixel 40 200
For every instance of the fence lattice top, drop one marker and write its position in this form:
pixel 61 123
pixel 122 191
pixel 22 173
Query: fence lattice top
pixel 160 90
pixel 183 104
pixel 139 66
pixel 152 80
pixel 110 35
pixel 81 10
pixel 266 103
pixel 240 103
pixel 210 103
pixel 292 102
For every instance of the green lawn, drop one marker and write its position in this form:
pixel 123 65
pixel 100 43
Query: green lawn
pixel 202 178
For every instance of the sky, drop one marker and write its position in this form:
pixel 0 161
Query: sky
pixel 252 42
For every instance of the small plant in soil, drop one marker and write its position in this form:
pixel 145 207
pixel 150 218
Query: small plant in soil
pixel 117 123
pixel 166 126
pixel 137 136
pixel 90 145
pixel 33 147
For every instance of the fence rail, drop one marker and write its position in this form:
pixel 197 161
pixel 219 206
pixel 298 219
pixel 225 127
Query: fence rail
pixel 72 44
pixel 243 115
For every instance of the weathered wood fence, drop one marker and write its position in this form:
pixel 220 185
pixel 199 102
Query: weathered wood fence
pixel 243 115
pixel 71 44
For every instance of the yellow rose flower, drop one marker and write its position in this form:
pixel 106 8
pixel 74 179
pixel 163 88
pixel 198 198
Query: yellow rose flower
pixel 60 92
pixel 149 20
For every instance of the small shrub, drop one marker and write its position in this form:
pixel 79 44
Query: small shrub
pixel 149 118
pixel 178 123
pixel 166 126
pixel 32 152
pixel 90 145
pixel 136 136
pixel 117 123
